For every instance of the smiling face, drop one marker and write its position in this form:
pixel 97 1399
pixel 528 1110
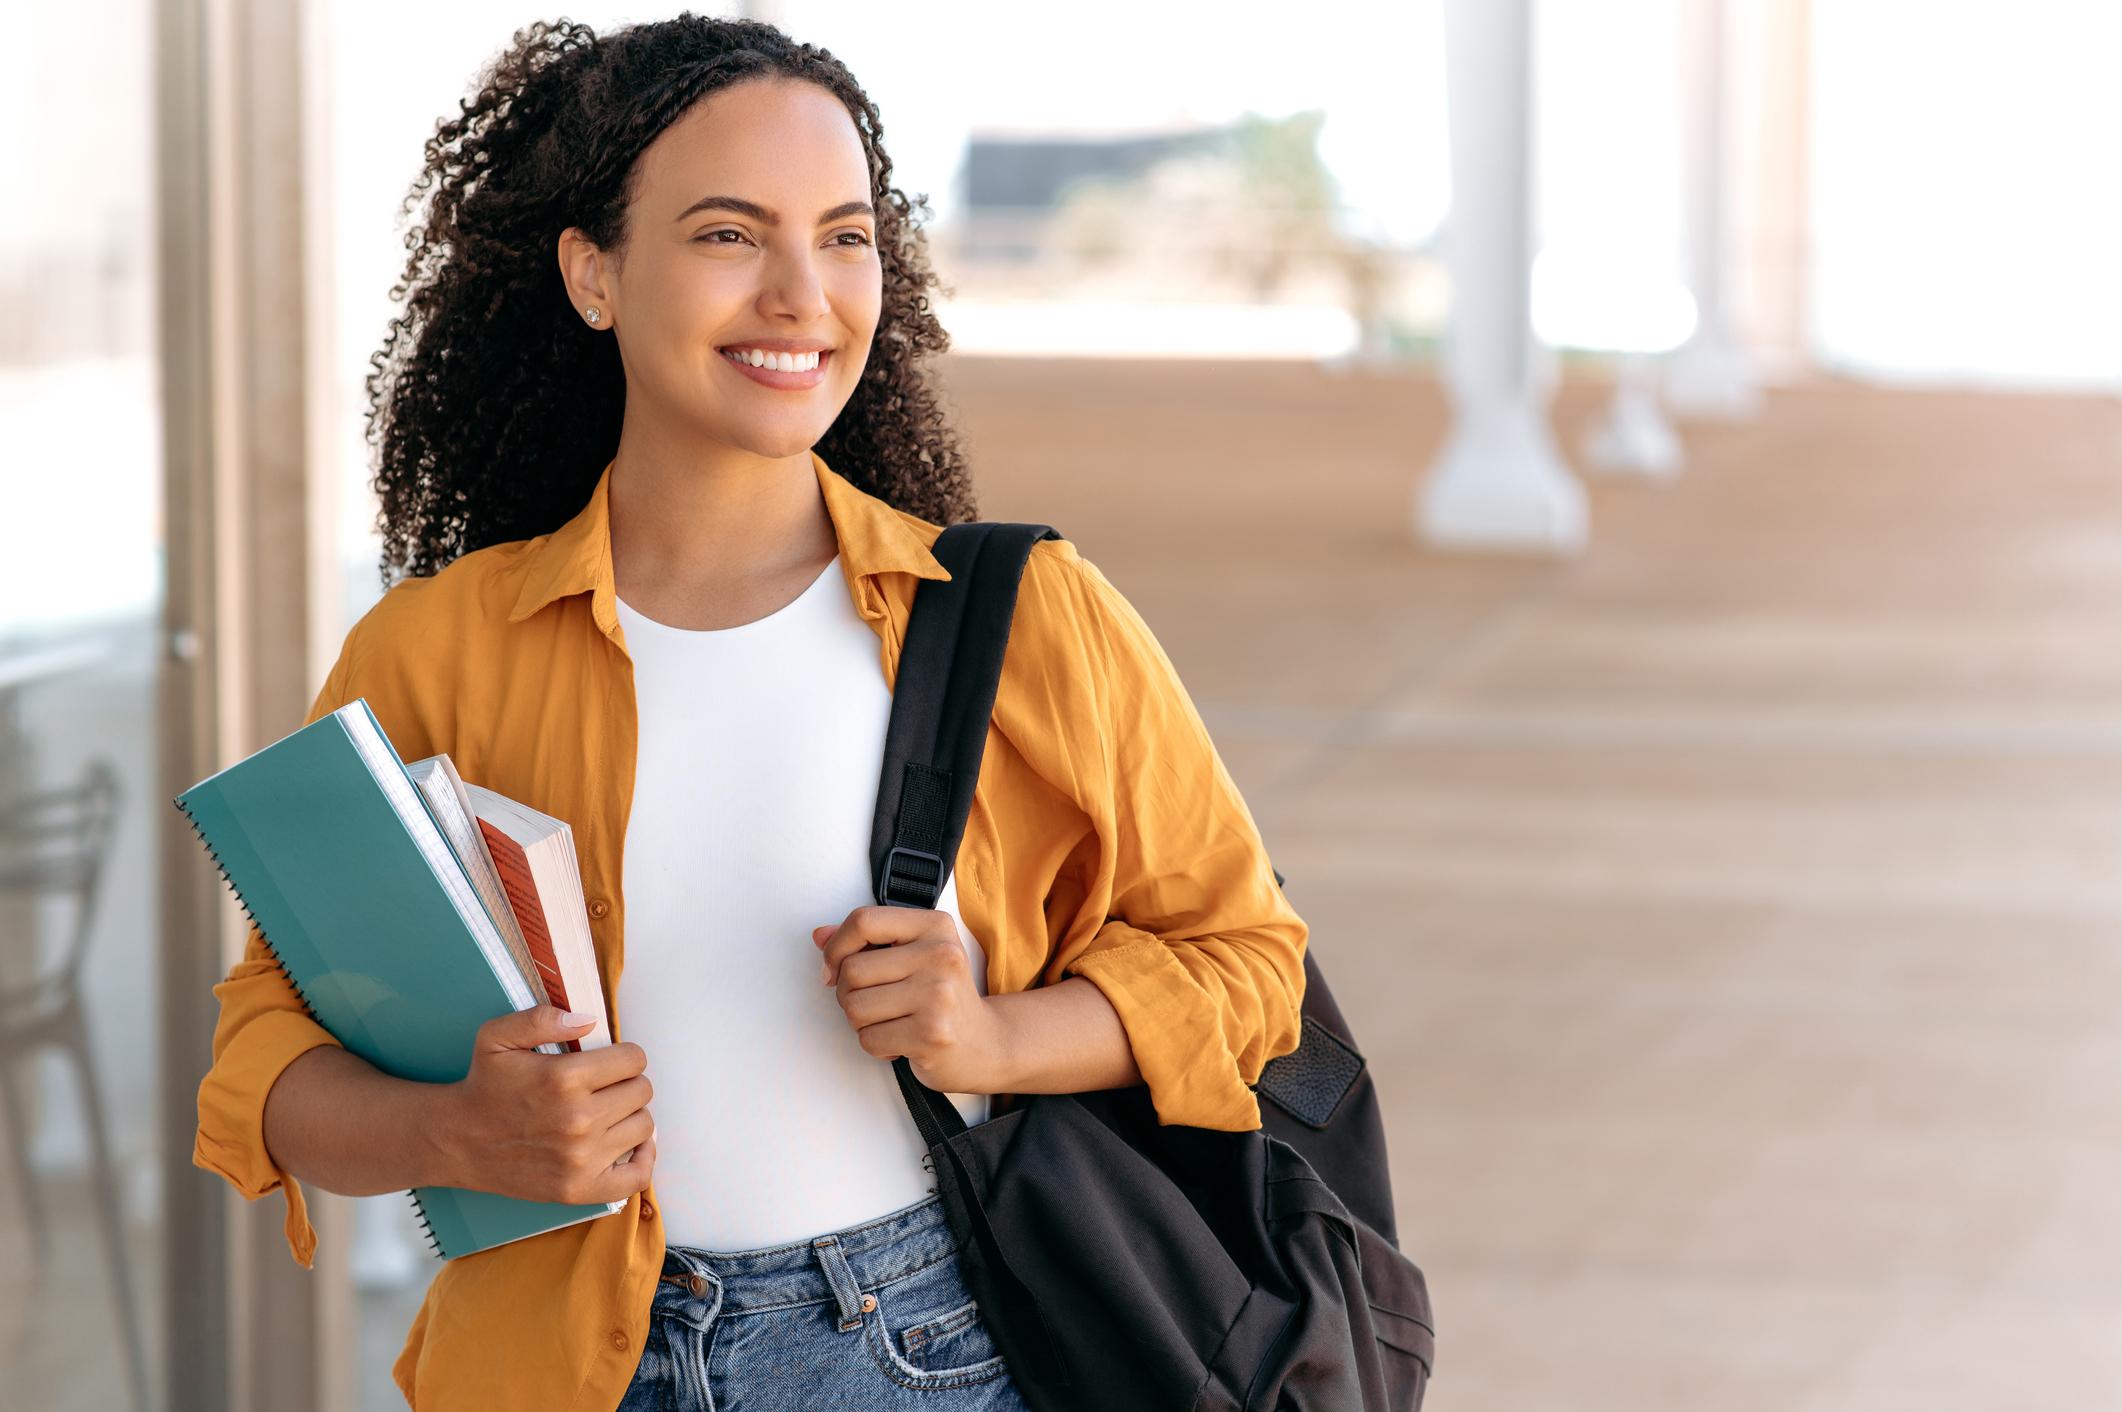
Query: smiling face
pixel 749 229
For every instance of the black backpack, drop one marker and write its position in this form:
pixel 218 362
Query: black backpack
pixel 1121 1264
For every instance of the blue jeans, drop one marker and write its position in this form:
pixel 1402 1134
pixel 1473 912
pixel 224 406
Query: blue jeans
pixel 875 1318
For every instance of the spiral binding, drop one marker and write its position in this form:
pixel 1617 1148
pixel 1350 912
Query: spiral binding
pixel 426 1227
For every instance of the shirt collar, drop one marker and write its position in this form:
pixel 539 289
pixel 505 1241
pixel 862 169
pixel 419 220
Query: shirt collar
pixel 577 558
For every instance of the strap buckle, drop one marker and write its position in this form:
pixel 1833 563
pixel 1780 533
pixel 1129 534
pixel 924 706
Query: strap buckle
pixel 915 883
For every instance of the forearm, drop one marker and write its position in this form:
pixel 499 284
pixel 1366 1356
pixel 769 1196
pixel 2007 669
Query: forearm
pixel 1063 1038
pixel 340 1124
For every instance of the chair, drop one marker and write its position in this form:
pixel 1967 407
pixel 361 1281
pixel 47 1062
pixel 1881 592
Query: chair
pixel 54 844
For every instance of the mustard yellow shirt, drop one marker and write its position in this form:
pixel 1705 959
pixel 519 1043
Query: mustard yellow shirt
pixel 1106 840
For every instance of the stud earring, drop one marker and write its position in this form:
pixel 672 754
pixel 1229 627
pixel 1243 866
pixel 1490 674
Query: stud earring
pixel 592 314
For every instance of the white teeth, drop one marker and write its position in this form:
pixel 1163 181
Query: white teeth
pixel 781 362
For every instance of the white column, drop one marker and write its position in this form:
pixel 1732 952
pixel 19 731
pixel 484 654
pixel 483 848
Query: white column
pixel 1772 148
pixel 1499 482
pixel 1708 377
pixel 1634 438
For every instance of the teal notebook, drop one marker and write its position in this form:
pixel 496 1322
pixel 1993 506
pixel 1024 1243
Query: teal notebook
pixel 337 861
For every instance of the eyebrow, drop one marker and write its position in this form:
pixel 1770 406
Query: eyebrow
pixel 759 213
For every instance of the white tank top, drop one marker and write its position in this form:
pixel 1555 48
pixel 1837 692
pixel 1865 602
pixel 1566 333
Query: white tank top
pixel 754 791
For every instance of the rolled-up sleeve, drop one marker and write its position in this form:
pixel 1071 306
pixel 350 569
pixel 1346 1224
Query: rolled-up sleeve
pixel 1201 956
pixel 262 1028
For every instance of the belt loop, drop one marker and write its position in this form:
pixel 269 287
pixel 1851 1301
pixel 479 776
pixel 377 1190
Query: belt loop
pixel 837 1274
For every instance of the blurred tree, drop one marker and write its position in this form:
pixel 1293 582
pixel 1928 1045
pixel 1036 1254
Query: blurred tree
pixel 1289 191
pixel 1240 220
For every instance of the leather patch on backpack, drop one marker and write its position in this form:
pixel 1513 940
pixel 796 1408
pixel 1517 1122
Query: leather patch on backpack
pixel 1309 1082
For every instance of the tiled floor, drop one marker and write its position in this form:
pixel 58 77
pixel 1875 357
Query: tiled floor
pixel 1731 912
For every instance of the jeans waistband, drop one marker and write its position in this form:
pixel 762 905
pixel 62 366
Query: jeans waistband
pixel 697 1285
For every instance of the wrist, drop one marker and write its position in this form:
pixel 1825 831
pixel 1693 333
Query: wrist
pixel 438 1127
pixel 1002 1069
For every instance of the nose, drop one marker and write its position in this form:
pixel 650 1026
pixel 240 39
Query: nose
pixel 793 290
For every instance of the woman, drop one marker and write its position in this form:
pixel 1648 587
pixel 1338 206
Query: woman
pixel 663 463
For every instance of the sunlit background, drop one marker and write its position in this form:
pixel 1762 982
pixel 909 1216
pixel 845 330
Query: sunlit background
pixel 1677 670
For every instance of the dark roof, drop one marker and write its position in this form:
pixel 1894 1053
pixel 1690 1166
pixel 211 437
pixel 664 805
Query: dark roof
pixel 1020 171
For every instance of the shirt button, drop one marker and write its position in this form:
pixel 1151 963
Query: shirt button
pixel 648 1208
pixel 599 907
pixel 619 1339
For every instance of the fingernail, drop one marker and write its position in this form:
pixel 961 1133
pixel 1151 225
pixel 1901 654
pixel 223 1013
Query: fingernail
pixel 825 973
pixel 575 1017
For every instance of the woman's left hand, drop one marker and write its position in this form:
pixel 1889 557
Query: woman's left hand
pixel 906 985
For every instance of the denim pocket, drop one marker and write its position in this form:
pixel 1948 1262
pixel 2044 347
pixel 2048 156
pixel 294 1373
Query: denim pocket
pixel 926 1332
pixel 956 1339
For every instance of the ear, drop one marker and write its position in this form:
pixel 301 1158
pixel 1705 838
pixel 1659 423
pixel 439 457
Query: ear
pixel 585 270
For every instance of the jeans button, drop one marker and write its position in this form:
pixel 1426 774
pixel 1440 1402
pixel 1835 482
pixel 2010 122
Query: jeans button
pixel 698 1285
pixel 869 1304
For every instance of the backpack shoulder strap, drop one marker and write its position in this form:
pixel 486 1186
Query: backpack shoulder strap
pixel 942 697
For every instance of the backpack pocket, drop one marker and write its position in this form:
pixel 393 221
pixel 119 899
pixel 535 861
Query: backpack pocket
pixel 1400 1317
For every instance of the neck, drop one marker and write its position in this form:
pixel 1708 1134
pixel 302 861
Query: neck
pixel 702 516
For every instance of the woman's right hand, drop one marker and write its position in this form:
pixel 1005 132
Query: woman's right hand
pixel 550 1127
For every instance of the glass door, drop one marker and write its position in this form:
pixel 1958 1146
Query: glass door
pixel 81 601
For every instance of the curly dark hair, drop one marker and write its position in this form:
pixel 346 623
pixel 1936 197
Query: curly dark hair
pixel 494 409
